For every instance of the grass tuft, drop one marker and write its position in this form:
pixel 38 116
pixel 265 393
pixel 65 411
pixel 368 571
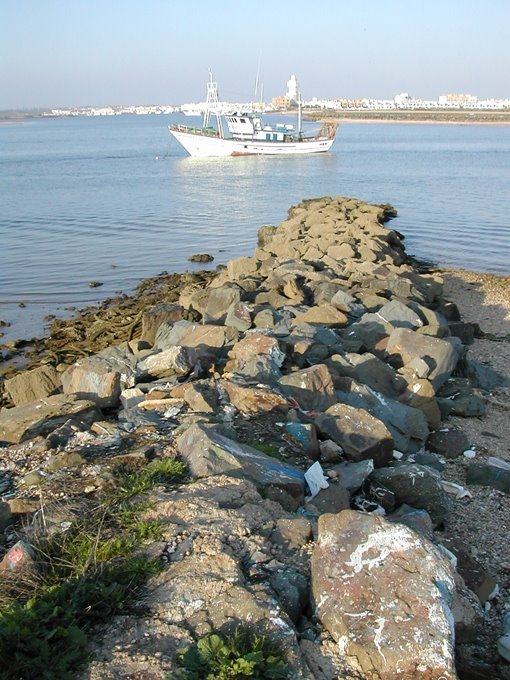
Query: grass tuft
pixel 86 574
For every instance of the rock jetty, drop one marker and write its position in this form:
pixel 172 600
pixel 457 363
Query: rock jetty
pixel 308 389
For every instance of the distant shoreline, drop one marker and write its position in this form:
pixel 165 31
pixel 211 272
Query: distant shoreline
pixel 414 117
pixel 442 117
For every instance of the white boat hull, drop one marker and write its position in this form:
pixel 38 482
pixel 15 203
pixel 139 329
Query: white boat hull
pixel 207 146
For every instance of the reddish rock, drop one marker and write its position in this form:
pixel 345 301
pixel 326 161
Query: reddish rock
pixel 384 594
pixel 312 387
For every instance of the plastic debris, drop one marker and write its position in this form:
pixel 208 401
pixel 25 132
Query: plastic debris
pixel 316 479
pixel 456 490
pixel 504 640
pixel 498 462
pixel 469 453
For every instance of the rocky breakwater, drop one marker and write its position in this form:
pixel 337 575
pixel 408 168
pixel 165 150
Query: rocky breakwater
pixel 308 400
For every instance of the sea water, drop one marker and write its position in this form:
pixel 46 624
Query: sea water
pixel 116 199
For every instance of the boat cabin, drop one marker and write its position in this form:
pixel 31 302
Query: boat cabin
pixel 244 126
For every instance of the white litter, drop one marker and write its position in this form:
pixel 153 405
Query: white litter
pixel 316 479
pixel 456 490
pixel 469 453
pixel 498 462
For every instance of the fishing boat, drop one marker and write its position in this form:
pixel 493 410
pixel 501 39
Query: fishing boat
pixel 247 134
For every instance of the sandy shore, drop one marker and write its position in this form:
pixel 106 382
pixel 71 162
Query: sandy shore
pixel 483 521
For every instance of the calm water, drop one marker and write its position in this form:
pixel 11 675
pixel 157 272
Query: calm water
pixel 116 199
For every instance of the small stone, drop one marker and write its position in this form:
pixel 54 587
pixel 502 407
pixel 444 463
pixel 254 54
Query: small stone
pixel 201 257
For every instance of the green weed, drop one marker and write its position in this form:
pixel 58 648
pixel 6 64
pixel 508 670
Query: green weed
pixel 240 655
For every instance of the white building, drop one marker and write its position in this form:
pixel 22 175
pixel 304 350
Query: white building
pixel 292 89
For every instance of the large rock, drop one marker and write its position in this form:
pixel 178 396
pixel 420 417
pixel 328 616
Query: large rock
pixel 441 355
pixel 360 435
pixel 209 453
pixel 152 319
pixel 31 385
pixel 312 387
pixel 101 377
pixel 367 369
pixel 408 426
pixel 218 303
pixel 255 399
pixel 172 361
pixel 45 415
pixel 257 357
pixel 205 339
pixel 384 594
pixel 323 315
pixel 416 485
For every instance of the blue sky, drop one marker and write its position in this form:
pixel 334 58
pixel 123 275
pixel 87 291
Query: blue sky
pixel 96 52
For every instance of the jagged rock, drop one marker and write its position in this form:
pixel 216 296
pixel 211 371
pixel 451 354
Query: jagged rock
pixel 239 316
pixel 203 338
pixel 475 576
pixel 257 357
pixel 292 590
pixel 219 301
pixel 352 475
pixel 399 315
pixel 360 435
pixel 416 519
pixel 31 385
pixel 485 474
pixel 367 369
pixel 253 400
pixel 206 587
pixel 484 377
pixel 292 533
pixel 45 415
pixel 163 312
pixel 209 453
pixel 364 335
pixel 384 594
pixel 312 387
pixel 441 355
pixel 332 499
pixel 200 395
pixel 131 397
pixel 408 426
pixel 18 560
pixel 457 397
pixel 304 436
pixel 102 376
pixel 323 315
pixel 420 394
pixel 172 361
pixel 330 452
pixel 449 441
pixel 418 486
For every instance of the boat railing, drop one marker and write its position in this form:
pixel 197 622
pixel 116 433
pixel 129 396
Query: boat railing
pixel 205 132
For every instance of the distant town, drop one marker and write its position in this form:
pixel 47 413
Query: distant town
pixel 400 102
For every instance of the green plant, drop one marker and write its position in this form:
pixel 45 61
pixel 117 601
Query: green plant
pixel 268 449
pixel 240 655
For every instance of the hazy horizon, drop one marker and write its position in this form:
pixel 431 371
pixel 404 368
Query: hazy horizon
pixel 91 53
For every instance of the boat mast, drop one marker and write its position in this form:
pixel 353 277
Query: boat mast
pixel 299 114
pixel 213 105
